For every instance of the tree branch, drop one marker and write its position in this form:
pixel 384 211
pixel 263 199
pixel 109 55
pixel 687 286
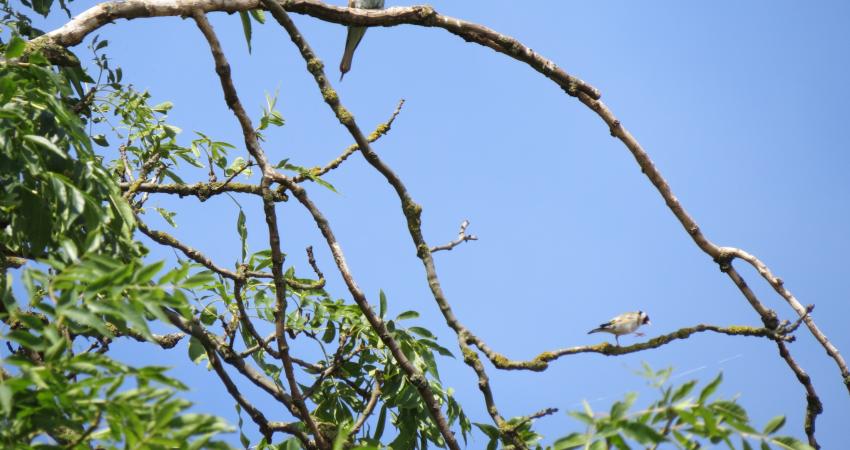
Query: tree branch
pixel 204 191
pixel 222 68
pixel 413 374
pixel 461 238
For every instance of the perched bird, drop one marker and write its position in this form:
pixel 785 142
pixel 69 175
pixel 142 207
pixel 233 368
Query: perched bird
pixel 623 324
pixel 355 34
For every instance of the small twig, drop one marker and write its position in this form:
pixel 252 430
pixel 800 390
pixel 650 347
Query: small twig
pixel 813 404
pixel 367 411
pixel 128 174
pixel 312 260
pixel 461 238
pixel 537 415
pixel 212 178
pixel 380 131
pixel 231 177
pixel 89 430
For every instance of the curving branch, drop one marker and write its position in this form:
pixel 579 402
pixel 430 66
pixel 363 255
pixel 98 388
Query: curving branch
pixel 802 311
pixel 413 374
pixel 222 68
pixel 75 30
pixel 541 361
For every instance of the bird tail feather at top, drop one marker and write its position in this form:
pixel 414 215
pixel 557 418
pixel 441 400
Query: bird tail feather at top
pixel 355 34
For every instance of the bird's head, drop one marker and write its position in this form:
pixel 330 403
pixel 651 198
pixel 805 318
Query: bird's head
pixel 644 318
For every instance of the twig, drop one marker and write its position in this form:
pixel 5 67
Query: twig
pixel 802 311
pixel 379 132
pixel 367 411
pixel 813 403
pixel 461 238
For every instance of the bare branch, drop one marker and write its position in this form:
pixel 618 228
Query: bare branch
pixel 379 132
pixel 461 238
pixel 222 68
pixel 813 403
pixel 802 311
pixel 540 362
pixel 203 191
pixel 413 374
pixel 74 31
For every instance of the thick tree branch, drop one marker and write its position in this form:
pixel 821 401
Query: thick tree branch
pixel 73 32
pixel 222 68
pixel 204 191
pixel 413 374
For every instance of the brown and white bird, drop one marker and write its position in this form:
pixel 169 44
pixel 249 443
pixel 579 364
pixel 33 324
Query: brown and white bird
pixel 623 324
pixel 355 34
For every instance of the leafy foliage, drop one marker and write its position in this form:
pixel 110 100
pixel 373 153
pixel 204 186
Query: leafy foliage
pixel 70 210
pixel 679 417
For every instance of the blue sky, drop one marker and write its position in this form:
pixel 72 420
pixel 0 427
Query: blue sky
pixel 741 105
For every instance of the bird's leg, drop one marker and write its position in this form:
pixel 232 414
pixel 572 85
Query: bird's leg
pixel 639 334
pixel 617 338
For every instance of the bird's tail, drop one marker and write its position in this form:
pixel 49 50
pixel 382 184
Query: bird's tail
pixel 596 330
pixel 355 34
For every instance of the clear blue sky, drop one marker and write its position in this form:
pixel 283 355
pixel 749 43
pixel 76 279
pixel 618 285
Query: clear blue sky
pixel 742 106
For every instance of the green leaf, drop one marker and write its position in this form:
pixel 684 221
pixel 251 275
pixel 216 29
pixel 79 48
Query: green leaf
pixel 259 15
pixel 710 388
pixel 383 310
pixel 790 443
pixel 422 332
pixel 642 433
pixel 330 333
pixel 15 47
pixel 774 425
pixel 683 391
pixel 167 215
pixel 407 315
pixel 599 445
pixel 491 431
pixel 163 107
pixel 572 440
pixel 246 27
pixel 243 233
pixel 42 6
pixel 382 421
pixel 209 314
pixel 196 350
pixel 100 140
pixel 5 399
pixel 46 144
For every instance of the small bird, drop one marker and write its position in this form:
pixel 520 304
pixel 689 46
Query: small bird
pixel 355 34
pixel 623 324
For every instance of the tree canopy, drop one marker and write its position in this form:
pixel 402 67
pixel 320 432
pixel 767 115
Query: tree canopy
pixel 83 153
